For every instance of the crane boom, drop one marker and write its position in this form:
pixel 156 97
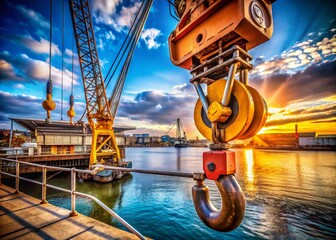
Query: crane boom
pixel 104 144
pixel 95 94
pixel 100 111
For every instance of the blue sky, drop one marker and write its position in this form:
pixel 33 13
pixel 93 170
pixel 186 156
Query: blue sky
pixel 294 71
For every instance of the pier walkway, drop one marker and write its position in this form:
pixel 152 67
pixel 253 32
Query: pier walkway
pixel 23 217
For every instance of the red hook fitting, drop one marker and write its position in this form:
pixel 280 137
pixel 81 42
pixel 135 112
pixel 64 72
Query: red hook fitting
pixel 219 166
pixel 216 163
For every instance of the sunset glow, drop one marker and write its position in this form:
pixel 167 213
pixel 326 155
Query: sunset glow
pixel 295 71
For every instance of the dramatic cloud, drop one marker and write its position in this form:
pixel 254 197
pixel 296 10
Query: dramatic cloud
pixel 36 18
pixel 68 54
pixel 20 106
pixel 25 106
pixel 37 70
pixel 149 36
pixel 320 109
pixel 109 16
pixel 315 81
pixel 6 71
pixel 155 112
pixel 104 9
pixel 41 46
pixel 19 86
pixel 127 15
pixel 105 12
pixel 302 72
pixel 157 107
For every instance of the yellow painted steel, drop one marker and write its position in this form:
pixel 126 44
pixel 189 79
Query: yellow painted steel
pixel 71 114
pixel 260 114
pixel 218 113
pixel 49 104
pixel 104 145
pixel 242 110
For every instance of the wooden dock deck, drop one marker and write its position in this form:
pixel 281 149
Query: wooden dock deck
pixel 23 217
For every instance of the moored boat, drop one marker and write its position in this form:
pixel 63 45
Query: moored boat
pixel 104 176
pixel 85 176
pixel 120 174
pixel 180 143
pixel 181 138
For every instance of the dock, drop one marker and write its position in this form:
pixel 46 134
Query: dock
pixel 23 217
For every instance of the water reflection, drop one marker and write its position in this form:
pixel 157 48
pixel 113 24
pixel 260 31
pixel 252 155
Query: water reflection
pixel 290 195
pixel 250 185
pixel 178 159
pixel 249 163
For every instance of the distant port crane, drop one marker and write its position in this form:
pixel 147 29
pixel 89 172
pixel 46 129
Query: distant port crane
pixel 180 137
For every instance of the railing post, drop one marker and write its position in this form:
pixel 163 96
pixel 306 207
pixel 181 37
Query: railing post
pixel 44 186
pixel 17 176
pixel 0 170
pixel 73 195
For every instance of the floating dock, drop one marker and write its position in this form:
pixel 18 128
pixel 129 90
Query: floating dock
pixel 23 217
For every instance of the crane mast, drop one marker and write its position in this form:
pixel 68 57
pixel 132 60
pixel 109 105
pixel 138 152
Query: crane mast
pixel 98 109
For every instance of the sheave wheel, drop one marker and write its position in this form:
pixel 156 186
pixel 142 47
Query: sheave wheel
pixel 241 104
pixel 260 114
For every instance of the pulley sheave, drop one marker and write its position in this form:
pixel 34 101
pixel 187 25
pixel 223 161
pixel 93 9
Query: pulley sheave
pixel 241 104
pixel 260 114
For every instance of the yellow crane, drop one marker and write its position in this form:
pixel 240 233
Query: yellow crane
pixel 100 110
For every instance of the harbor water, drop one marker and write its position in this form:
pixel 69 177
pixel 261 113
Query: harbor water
pixel 289 195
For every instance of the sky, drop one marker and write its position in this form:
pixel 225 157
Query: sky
pixel 295 71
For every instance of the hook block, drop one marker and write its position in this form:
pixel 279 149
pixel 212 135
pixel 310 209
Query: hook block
pixel 216 163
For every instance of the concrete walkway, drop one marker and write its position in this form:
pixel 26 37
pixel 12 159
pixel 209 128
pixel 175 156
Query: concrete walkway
pixel 23 217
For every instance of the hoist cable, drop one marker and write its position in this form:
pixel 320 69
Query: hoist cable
pixel 134 33
pixel 62 60
pixel 170 13
pixel 127 47
pixel 133 42
pixel 128 40
pixel 116 94
pixel 72 67
pixel 50 40
pixel 124 42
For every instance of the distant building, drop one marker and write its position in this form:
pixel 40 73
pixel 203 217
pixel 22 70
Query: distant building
pixel 319 141
pixel 165 138
pixel 60 137
pixel 304 140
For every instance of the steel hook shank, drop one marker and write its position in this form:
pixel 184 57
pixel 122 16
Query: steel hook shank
pixel 233 204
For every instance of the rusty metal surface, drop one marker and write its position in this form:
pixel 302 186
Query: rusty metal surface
pixel 246 23
pixel 232 210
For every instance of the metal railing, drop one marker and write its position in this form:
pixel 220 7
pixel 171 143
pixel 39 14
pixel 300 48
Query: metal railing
pixel 72 190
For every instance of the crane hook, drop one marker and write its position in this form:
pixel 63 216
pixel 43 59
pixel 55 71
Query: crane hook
pixel 233 204
pixel 220 167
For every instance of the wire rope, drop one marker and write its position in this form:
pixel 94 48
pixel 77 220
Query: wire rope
pixel 50 40
pixel 115 96
pixel 128 40
pixel 62 85
pixel 72 67
pixel 124 42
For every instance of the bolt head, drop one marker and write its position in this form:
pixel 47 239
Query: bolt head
pixel 211 166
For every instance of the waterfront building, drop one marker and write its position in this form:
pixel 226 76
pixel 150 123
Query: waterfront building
pixel 303 140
